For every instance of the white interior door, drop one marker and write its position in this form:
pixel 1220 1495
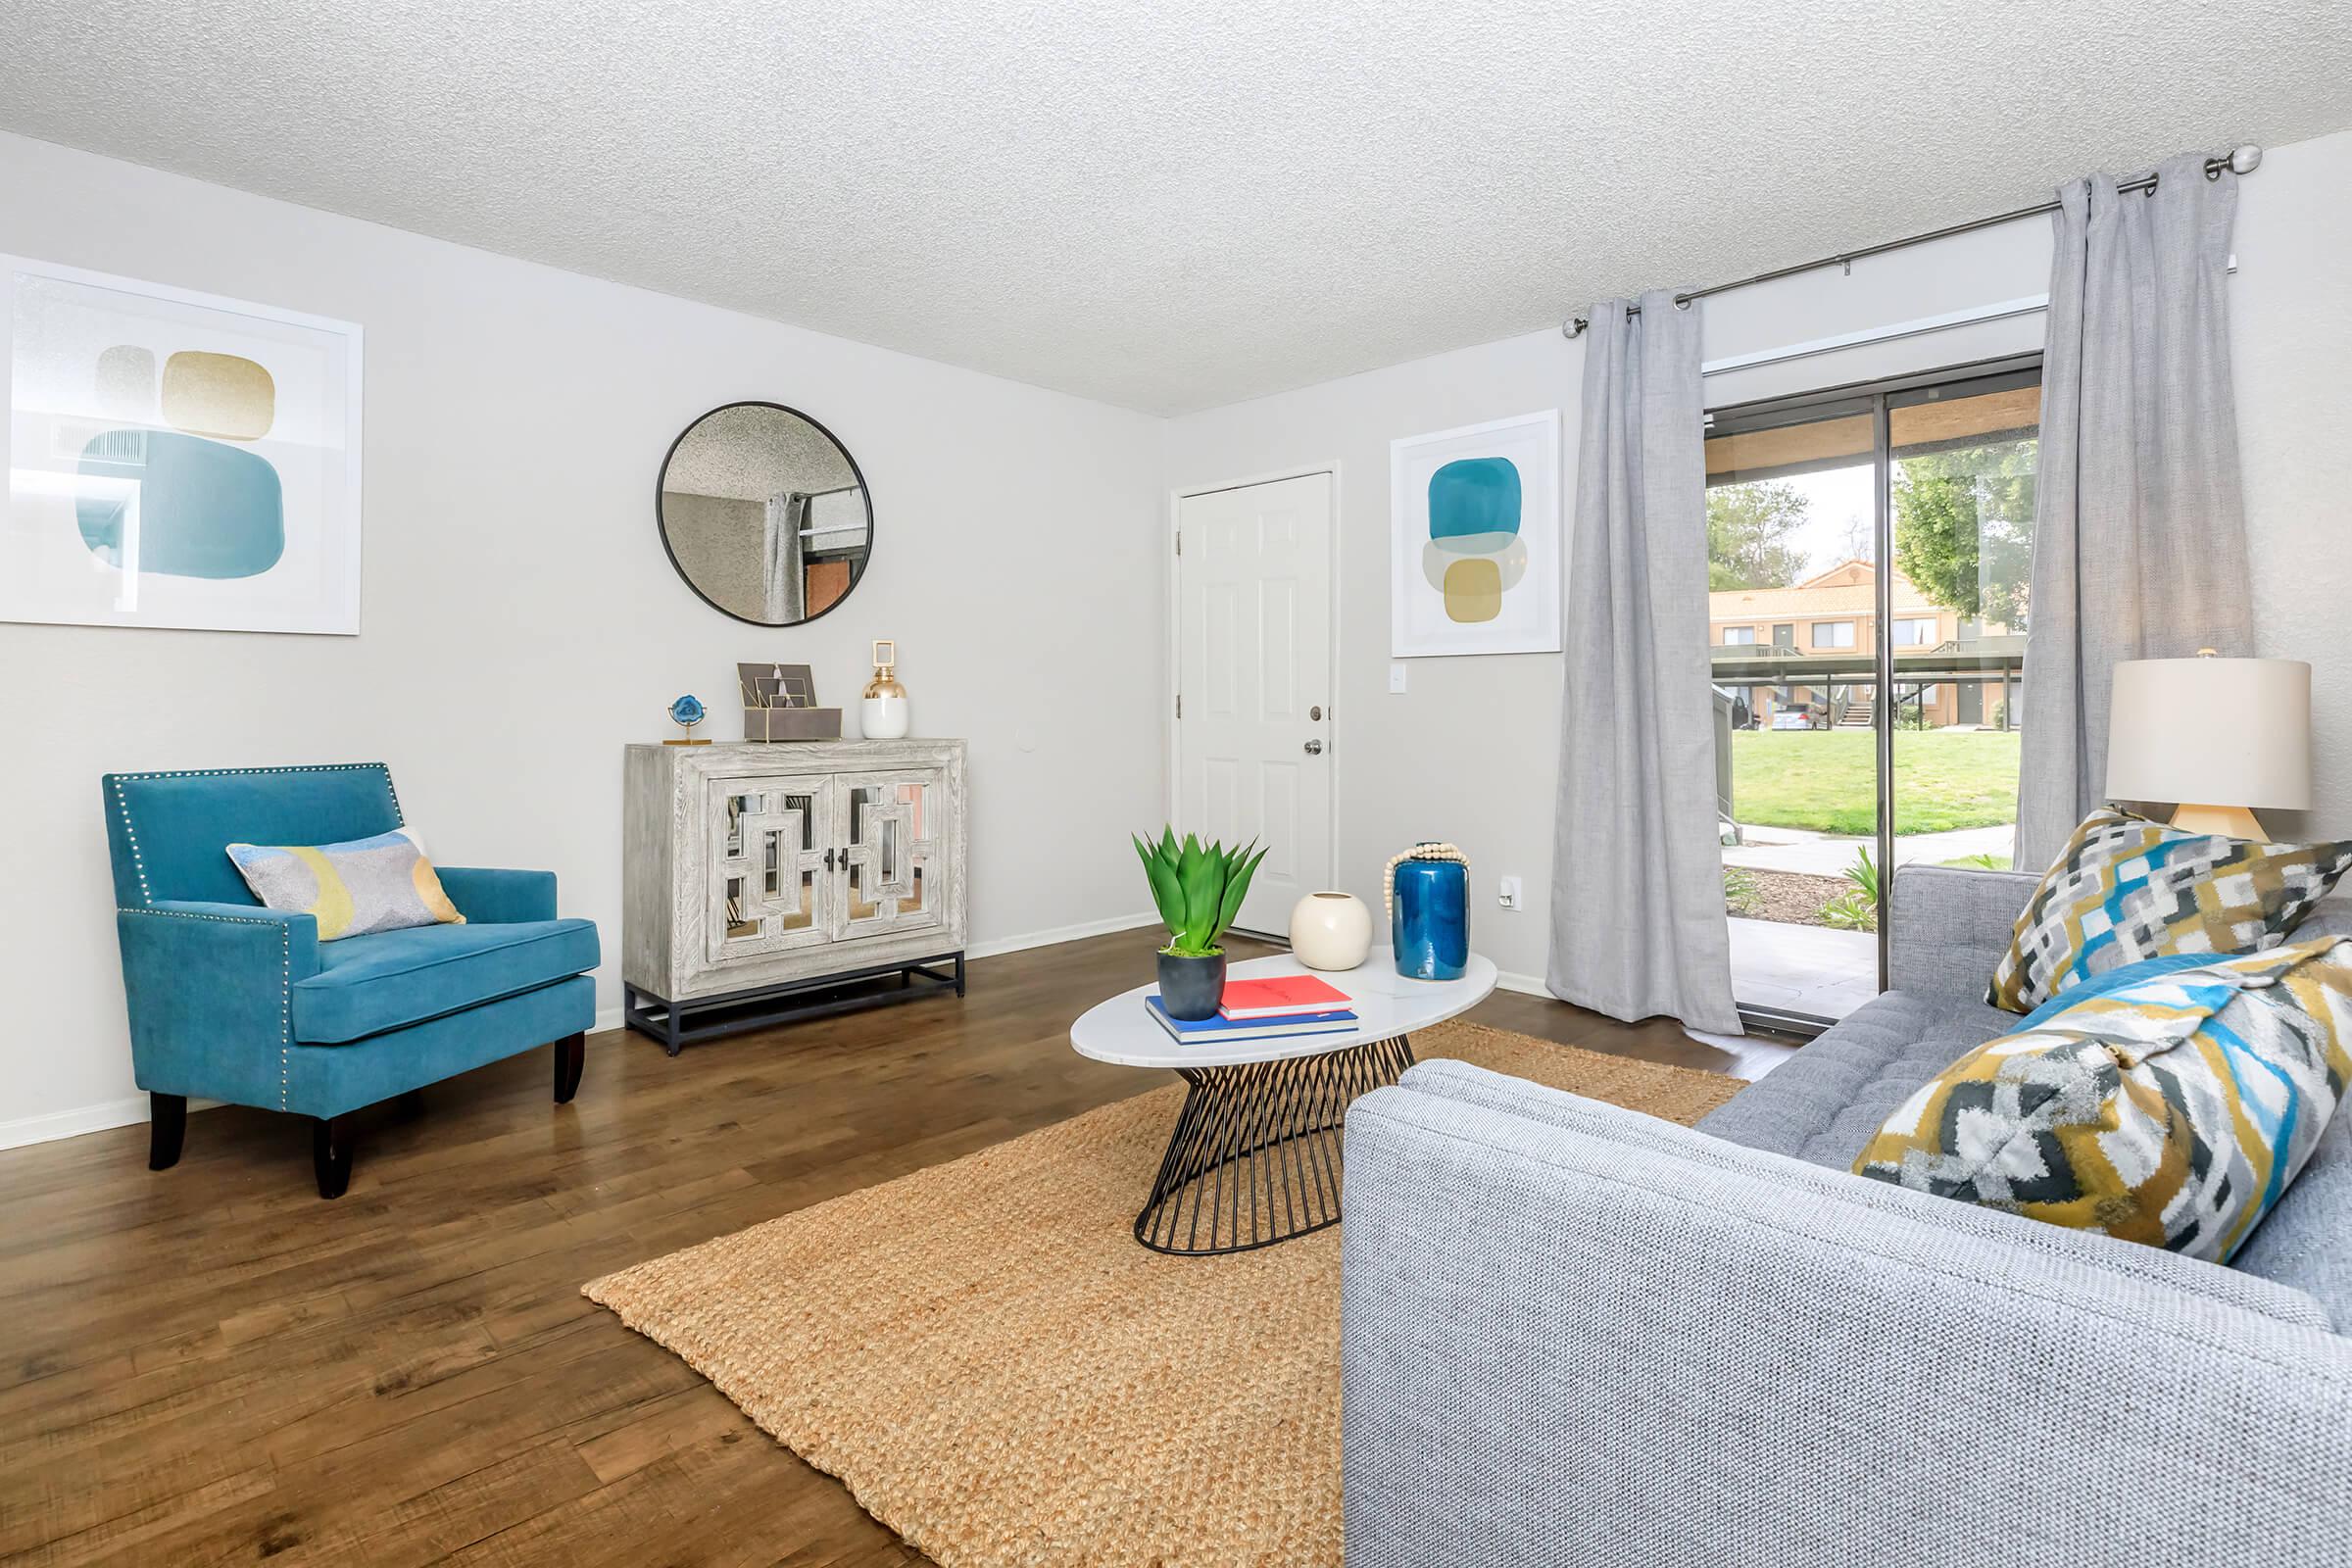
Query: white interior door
pixel 1253 682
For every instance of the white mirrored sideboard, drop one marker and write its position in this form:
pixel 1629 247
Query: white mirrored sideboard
pixel 759 880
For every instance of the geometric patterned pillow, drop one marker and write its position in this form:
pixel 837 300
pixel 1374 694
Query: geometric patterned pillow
pixel 383 883
pixel 2173 1108
pixel 2127 889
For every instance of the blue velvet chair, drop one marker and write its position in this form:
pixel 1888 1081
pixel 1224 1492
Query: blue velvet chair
pixel 235 1002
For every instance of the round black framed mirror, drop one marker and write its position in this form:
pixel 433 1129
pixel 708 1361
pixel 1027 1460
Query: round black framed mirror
pixel 764 513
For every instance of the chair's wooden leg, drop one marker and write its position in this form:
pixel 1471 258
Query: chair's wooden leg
pixel 330 1154
pixel 166 1130
pixel 571 1055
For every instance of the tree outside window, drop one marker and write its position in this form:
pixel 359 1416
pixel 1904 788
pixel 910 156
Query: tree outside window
pixel 1964 528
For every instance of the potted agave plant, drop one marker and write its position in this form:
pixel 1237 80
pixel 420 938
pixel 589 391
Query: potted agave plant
pixel 1198 892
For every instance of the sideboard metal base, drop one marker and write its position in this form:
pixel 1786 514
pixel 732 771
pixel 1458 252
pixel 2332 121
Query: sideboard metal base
pixel 678 1024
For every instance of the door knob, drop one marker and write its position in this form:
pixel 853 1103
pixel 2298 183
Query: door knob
pixel 1314 748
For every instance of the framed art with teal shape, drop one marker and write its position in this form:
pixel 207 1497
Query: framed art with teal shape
pixel 1475 559
pixel 175 458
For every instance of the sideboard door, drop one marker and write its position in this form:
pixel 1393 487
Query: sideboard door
pixel 893 824
pixel 771 851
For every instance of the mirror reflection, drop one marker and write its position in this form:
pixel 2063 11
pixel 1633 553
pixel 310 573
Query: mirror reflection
pixel 764 513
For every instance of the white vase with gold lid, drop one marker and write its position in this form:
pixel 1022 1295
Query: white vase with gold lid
pixel 883 714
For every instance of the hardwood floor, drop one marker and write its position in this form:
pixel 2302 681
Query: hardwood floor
pixel 210 1364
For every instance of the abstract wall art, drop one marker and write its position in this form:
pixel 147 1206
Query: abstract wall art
pixel 175 458
pixel 1475 555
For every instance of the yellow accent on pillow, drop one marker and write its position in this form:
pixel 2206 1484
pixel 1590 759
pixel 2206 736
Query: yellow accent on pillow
pixel 333 908
pixel 431 895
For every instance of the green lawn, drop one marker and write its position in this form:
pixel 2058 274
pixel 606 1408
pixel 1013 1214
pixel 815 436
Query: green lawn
pixel 1822 779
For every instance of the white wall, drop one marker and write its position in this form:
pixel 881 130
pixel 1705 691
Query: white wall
pixel 521 623
pixel 1470 753
pixel 2290 357
pixel 519 620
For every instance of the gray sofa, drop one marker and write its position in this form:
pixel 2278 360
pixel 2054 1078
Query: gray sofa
pixel 1576 1335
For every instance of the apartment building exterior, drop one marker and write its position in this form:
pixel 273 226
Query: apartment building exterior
pixel 1808 648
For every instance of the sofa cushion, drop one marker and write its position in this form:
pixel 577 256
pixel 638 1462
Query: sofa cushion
pixel 370 984
pixel 1823 1104
pixel 2306 1243
pixel 2173 1110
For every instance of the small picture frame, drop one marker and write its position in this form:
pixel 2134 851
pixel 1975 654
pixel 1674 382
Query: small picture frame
pixel 777 686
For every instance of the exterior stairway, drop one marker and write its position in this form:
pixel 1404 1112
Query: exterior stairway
pixel 1859 712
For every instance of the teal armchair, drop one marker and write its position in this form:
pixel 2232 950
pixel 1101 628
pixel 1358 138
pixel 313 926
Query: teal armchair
pixel 231 1000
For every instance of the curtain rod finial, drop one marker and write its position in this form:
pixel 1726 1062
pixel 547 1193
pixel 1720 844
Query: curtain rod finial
pixel 1573 328
pixel 2245 160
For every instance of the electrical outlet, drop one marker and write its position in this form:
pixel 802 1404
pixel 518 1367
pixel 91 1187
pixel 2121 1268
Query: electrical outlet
pixel 1396 676
pixel 1510 893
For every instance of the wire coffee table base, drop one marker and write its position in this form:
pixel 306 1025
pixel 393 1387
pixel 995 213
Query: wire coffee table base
pixel 1255 1157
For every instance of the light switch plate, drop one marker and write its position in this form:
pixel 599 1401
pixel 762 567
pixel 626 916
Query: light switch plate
pixel 1396 676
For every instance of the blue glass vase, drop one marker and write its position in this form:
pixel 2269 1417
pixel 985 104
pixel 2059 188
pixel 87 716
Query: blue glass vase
pixel 1431 925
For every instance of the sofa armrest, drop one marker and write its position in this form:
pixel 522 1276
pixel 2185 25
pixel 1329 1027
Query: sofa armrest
pixel 488 896
pixel 209 990
pixel 1804 1181
pixel 1564 1347
pixel 1950 927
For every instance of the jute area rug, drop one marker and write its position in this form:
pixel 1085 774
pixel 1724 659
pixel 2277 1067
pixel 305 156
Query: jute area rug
pixel 1000 1374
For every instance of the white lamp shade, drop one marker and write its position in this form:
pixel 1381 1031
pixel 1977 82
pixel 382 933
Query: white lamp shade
pixel 2211 731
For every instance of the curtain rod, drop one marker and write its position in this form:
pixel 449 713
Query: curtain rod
pixel 2238 160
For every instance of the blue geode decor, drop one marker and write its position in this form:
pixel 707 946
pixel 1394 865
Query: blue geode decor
pixel 686 712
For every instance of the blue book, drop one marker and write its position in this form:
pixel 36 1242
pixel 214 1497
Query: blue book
pixel 1226 1031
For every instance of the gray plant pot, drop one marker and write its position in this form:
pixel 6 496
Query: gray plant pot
pixel 1190 988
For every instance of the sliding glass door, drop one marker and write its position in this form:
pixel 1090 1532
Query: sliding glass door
pixel 1868 553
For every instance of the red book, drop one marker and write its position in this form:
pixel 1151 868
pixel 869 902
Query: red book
pixel 1280 996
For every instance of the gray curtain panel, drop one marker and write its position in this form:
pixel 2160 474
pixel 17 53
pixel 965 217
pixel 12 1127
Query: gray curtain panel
pixel 785 585
pixel 2139 532
pixel 1637 925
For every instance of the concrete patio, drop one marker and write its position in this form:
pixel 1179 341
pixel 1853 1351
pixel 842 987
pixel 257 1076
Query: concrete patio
pixel 1784 848
pixel 1808 969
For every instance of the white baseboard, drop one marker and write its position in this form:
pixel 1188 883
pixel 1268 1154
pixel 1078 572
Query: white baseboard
pixel 81 1119
pixel 125 1112
pixel 1529 985
pixel 1061 932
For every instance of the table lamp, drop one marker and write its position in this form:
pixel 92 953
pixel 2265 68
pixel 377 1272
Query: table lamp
pixel 2217 735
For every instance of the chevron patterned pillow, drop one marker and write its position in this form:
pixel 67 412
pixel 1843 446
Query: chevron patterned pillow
pixel 2170 1106
pixel 2127 889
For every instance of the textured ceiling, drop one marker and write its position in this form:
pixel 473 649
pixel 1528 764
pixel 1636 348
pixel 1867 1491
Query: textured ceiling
pixel 1176 205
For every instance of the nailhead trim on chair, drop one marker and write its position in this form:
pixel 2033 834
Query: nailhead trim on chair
pixel 285 964
pixel 131 834
pixel 285 942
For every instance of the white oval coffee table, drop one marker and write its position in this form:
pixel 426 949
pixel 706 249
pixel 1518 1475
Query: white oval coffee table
pixel 1256 1156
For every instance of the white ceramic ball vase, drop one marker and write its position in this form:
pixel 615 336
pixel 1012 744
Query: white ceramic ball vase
pixel 883 718
pixel 1331 931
